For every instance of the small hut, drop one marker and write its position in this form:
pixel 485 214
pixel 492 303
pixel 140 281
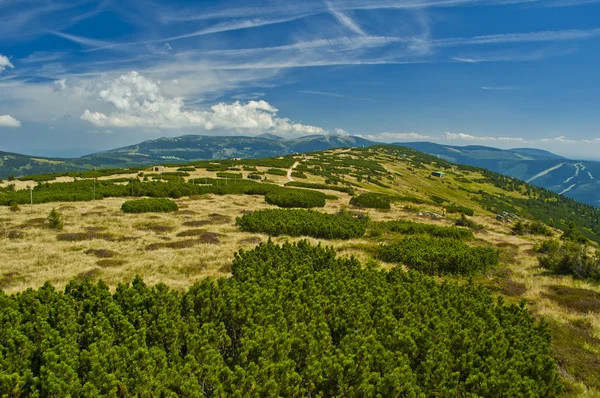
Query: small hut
pixel 438 174
pixel 158 168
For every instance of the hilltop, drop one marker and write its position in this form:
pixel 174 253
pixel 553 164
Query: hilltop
pixel 176 150
pixel 573 178
pixel 380 205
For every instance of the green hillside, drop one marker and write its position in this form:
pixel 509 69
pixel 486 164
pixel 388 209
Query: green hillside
pixel 367 275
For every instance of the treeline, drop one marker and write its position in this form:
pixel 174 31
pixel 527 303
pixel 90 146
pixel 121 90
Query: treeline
pixel 439 256
pixel 293 320
pixel 299 222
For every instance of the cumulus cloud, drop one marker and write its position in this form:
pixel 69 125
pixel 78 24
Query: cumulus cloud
pixel 140 102
pixel 5 63
pixel 468 137
pixel 340 131
pixel 9 121
pixel 391 137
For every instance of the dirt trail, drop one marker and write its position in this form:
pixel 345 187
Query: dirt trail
pixel 289 173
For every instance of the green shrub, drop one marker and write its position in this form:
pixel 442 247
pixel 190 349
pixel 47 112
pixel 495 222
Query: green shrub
pixel 230 176
pixel 439 256
pixel 14 207
pixel 288 197
pixel 300 184
pixel 453 208
pixel 296 222
pixel 569 258
pixel 149 205
pixel 463 221
pixel 371 201
pixel 277 172
pixel 292 320
pixel 412 228
pixel 531 228
pixel 299 174
pixel 55 220
pixel 186 169
pixel 253 176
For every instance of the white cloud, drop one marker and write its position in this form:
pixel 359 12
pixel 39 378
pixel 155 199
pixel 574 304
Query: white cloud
pixel 347 21
pixel 392 137
pixel 340 131
pixel 5 63
pixel 9 121
pixel 139 101
pixel 468 137
pixel 561 139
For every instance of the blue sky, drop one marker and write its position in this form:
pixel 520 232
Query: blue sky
pixel 81 76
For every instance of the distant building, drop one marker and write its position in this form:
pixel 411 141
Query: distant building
pixel 438 174
pixel 158 168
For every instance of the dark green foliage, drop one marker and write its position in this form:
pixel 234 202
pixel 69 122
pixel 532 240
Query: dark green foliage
pixel 186 169
pixel 348 190
pixel 371 201
pixel 55 220
pixel 413 228
pixel 454 208
pixel 463 221
pixel 299 174
pixel 531 228
pixel 149 205
pixel 298 222
pixel 569 258
pixel 253 176
pixel 277 172
pixel 437 199
pixel 435 256
pixel 292 321
pixel 14 207
pixel 289 197
pixel 231 176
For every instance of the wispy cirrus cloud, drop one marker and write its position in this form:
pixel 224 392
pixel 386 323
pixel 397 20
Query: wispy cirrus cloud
pixel 499 88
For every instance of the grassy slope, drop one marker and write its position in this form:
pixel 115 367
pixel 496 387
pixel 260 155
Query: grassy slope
pixel 38 256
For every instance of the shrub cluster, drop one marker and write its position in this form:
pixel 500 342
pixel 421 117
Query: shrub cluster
pixel 298 222
pixel 288 197
pixel 277 172
pixel 454 208
pixel 293 320
pixel 569 258
pixel 438 256
pixel 531 228
pixel 371 201
pixel 348 190
pixel 412 228
pixel 149 205
pixel 230 176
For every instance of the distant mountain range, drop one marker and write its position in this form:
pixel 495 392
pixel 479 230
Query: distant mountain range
pixel 177 150
pixel 577 179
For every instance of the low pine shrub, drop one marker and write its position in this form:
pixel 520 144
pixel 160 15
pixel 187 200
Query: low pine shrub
pixel 371 201
pixel 55 220
pixel 286 197
pixel 439 256
pixel 412 228
pixel 277 172
pixel 149 205
pixel 299 222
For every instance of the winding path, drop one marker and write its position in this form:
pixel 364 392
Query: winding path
pixel 289 173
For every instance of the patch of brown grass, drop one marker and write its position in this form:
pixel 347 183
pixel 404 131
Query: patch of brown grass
pixel 102 253
pixel 82 236
pixel 191 232
pixel 197 223
pixel 580 300
pixel 110 263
